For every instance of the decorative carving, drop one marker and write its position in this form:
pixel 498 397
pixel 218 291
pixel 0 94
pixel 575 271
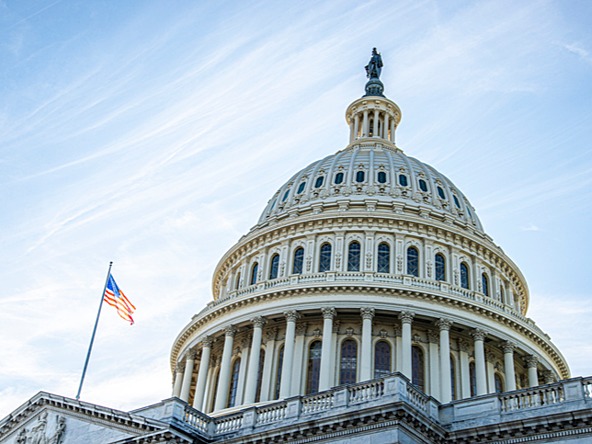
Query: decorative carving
pixel 416 338
pixel 400 263
pixel 489 356
pixel 301 328
pixel 271 333
pixel 230 331
pixel 406 317
pixel 433 337
pixel 444 324
pixel 349 332
pixel 508 347
pixel 531 361
pixel 367 312
pixel 397 331
pixel 429 268
pixel 463 346
pixel 39 433
pixel 369 261
pixel 292 315
pixel 383 334
pixel 316 332
pixel 337 261
pixel 478 334
pixel 308 263
pixel 258 321
pixel 207 341
pixel 328 312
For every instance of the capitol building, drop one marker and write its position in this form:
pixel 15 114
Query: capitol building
pixel 367 304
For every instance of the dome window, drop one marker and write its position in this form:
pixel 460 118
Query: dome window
pixel 301 188
pixel 403 180
pixel 441 193
pixel 464 276
pixel 423 186
pixel 286 195
pixel 384 258
pixel 469 211
pixel 353 257
pixel 381 177
pixel 360 176
pixel 254 272
pixel 456 202
pixel 319 181
pixel 413 261
pixel 325 257
pixel 298 261
pixel 485 284
pixel 338 178
pixel 440 267
pixel 275 266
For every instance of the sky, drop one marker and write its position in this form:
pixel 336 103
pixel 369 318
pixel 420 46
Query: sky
pixel 152 134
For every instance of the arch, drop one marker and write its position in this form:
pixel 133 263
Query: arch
pixel 383 262
pixel 440 262
pixel 325 257
pixel 498 383
pixel 464 275
pixel 274 267
pixel 485 284
pixel 260 375
pixel 354 252
pixel 382 359
pixel 413 261
pixel 254 271
pixel 232 391
pixel 313 370
pixel 348 364
pixel 298 264
pixel 278 373
pixel 418 367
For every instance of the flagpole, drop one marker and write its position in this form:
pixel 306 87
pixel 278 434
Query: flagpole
pixel 92 339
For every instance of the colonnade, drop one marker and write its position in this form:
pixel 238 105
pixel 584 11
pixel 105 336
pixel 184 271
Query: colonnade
pixel 212 386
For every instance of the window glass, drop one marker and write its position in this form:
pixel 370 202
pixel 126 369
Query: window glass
pixel 473 378
pixel 383 263
pixel 260 376
pixel 349 362
pixel 286 195
pixel 233 383
pixel 423 186
pixel 418 367
pixel 464 276
pixel 456 202
pixel 319 181
pixel 275 265
pixel 338 178
pixel 298 261
pixel 499 384
pixel 325 257
pixel 440 267
pixel 278 379
pixel 403 180
pixel 452 378
pixel 301 188
pixel 237 282
pixel 381 177
pixel 441 193
pixel 382 359
pixel 313 368
pixel 360 176
pixel 353 257
pixel 413 261
pixel 254 271
pixel 485 284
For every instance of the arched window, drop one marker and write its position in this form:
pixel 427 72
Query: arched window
pixel 275 266
pixel 260 375
pixel 298 261
pixel 254 271
pixel 403 180
pixel 413 261
pixel 319 181
pixel 301 188
pixel 381 177
pixel 485 284
pixel 349 362
pixel 233 383
pixel 286 195
pixel 338 178
pixel 464 275
pixel 441 193
pixel 382 359
pixel 423 186
pixel 314 367
pixel 452 377
pixel 360 176
pixel 440 267
pixel 237 282
pixel 499 384
pixel 383 263
pixel 353 256
pixel 418 367
pixel 278 378
pixel 325 257
pixel 473 378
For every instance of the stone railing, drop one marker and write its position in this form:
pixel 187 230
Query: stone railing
pixel 534 397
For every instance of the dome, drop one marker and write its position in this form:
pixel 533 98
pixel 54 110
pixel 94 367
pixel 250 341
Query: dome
pixel 374 175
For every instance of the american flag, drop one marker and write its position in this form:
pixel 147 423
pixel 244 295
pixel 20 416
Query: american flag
pixel 115 298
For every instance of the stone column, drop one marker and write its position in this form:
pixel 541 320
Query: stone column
pixel 287 364
pixel 465 374
pixel 178 380
pixel 479 337
pixel 375 126
pixel 253 368
pixel 386 126
pixel 366 363
pixel 508 348
pixel 224 377
pixel 445 383
pixel 202 373
pixel 242 370
pixel 187 375
pixel 434 367
pixel 356 127
pixel 365 124
pixel 299 356
pixel 490 366
pixel 533 375
pixel 406 318
pixel 266 389
pixel 326 349
pixel 398 347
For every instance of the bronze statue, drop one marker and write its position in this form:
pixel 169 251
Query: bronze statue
pixel 374 66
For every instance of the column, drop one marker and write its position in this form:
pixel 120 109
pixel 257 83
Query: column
pixel 533 376
pixel 202 373
pixel 434 359
pixel 326 350
pixel 465 374
pixel 480 374
pixel 242 370
pixel 366 362
pixel 489 363
pixel 224 376
pixel 393 130
pixel 386 126
pixel 365 124
pixel 398 347
pixel 178 380
pixel 287 364
pixel 445 383
pixel 356 127
pixel 508 348
pixel 187 375
pixel 406 318
pixel 266 389
pixel 375 126
pixel 253 368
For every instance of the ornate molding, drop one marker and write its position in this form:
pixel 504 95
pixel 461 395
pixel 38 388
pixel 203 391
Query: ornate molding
pixel 478 334
pixel 531 361
pixel 291 315
pixel 508 347
pixel 258 321
pixel 406 317
pixel 444 324
pixel 367 312
pixel 230 331
pixel 329 312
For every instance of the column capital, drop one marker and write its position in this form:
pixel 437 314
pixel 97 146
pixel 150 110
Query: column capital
pixel 292 315
pixel 478 334
pixel 179 368
pixel 444 324
pixel 463 345
pixel 508 347
pixel 490 356
pixel 271 333
pixel 531 361
pixel 258 321
pixel 301 328
pixel 230 331
pixel 191 354
pixel 328 312
pixel 207 341
pixel 433 337
pixel 406 317
pixel 367 312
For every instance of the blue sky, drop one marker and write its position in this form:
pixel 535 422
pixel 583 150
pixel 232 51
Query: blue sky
pixel 154 133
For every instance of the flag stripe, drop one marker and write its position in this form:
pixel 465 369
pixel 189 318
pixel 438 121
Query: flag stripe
pixel 115 298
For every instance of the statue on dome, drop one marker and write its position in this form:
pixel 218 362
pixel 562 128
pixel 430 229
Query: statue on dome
pixel 374 66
